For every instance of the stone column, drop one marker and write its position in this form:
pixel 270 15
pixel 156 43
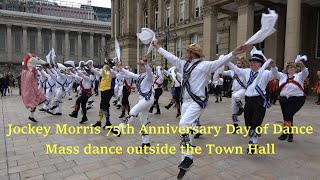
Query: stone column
pixel 79 46
pixel 112 18
pixel 9 42
pixel 233 32
pixel 39 41
pixel 24 40
pixel 103 43
pixel 91 45
pixel 245 22
pixel 210 32
pixel 292 44
pixel 66 45
pixel 53 39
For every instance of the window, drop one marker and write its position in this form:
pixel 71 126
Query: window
pixel 32 40
pixel 178 47
pixel 72 47
pixel 17 42
pixel 96 48
pixel 197 12
pixel 145 18
pixel 194 39
pixel 59 45
pixel 318 38
pixel 156 17
pixel 167 14
pixel 2 42
pixel 84 47
pixel 181 11
pixel 46 44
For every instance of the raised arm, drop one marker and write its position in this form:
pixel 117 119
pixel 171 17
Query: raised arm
pixel 236 69
pixel 75 76
pixel 130 74
pixel 304 71
pixel 95 72
pixel 149 71
pixel 174 60
pixel 80 74
pixel 51 74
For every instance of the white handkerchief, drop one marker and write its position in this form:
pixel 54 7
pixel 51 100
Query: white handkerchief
pixel 146 36
pixel 268 22
pixel 48 57
pixel 219 70
pixel 70 63
pixel 53 56
pixel 300 58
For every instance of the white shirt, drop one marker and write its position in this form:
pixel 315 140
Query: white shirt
pixel 86 82
pixel 219 82
pixel 235 85
pixel 177 80
pixel 51 78
pixel 146 83
pixel 200 75
pixel 61 79
pixel 263 82
pixel 290 89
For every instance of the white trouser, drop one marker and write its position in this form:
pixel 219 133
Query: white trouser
pixel 237 96
pixel 116 87
pixel 142 109
pixel 58 99
pixel 69 89
pixel 120 89
pixel 49 96
pixel 190 112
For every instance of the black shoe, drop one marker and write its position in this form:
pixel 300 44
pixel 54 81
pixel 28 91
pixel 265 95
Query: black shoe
pixel 84 119
pixel 157 113
pixel 186 164
pixel 178 115
pixel 144 145
pixel 69 98
pixel 43 110
pixel 98 123
pixel 181 174
pixel 74 114
pixel 32 119
pixel 122 115
pixel 53 107
pixel 151 110
pixel 290 138
pixel 89 107
pixel 57 114
pixel 283 137
pixel 240 111
pixel 197 136
pixel 217 101
pixel 167 107
pixel 220 98
pixel 106 126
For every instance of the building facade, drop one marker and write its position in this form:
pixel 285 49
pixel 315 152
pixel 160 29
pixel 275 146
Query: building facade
pixel 72 38
pixel 218 26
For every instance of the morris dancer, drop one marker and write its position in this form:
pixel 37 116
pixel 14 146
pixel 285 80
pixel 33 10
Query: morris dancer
pixel 30 93
pixel 196 75
pixel 50 87
pixel 126 91
pixel 146 98
pixel 255 95
pixel 157 84
pixel 292 96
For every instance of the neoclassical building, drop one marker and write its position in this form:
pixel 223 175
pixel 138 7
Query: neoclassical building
pixel 72 38
pixel 218 26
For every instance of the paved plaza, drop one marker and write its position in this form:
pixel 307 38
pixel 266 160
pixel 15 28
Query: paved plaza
pixel 24 156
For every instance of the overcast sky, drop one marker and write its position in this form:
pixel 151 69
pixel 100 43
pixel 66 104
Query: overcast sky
pixel 100 3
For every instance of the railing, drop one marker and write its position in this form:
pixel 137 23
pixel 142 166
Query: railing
pixel 58 8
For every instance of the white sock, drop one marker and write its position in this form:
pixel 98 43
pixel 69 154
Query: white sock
pixel 255 140
pixel 31 114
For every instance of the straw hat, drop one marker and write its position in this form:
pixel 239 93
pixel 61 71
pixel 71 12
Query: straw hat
pixel 195 48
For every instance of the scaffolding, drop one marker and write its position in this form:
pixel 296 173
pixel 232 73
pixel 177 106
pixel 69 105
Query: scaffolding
pixel 58 8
